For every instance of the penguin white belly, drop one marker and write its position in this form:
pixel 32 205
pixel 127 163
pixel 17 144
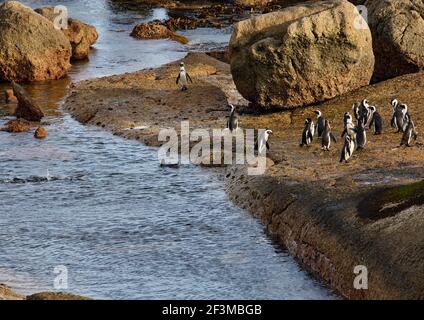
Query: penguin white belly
pixel 183 79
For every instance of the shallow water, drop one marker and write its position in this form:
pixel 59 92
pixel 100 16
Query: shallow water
pixel 123 226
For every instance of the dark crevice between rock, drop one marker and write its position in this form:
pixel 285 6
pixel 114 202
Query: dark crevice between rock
pixel 388 202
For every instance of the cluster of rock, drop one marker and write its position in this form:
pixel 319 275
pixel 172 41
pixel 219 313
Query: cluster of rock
pixel 32 49
pixel 214 16
pixel 315 51
pixel 28 113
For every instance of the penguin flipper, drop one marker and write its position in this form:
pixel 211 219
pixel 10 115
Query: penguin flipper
pixel 372 121
pixel 267 145
pixel 178 79
pixel 333 137
pixel 344 132
pixel 189 78
pixel 310 135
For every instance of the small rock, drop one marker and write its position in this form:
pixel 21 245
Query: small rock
pixel 16 126
pixel 27 108
pixel 155 30
pixel 9 96
pixel 40 133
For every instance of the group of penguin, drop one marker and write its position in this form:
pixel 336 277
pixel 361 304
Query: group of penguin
pixel 355 137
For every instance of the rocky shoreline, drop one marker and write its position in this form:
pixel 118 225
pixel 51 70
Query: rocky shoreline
pixel 331 217
pixel 310 202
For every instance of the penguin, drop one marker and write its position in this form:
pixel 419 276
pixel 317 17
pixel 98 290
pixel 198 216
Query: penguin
pixel 183 78
pixel 262 141
pixel 348 149
pixel 349 127
pixel 409 134
pixel 232 123
pixel 355 110
pixel 365 112
pixel 320 123
pixel 377 121
pixel 400 118
pixel 308 132
pixel 361 135
pixel 327 136
pixel 395 104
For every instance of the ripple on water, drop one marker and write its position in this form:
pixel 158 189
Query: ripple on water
pixel 103 207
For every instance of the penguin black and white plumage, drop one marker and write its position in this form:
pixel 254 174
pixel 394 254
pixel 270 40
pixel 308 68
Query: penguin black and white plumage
pixel 349 127
pixel 262 142
pixel 365 112
pixel 376 121
pixel 327 136
pixel 395 105
pixel 183 78
pixel 232 123
pixel 308 133
pixel 355 110
pixel 320 123
pixel 409 134
pixel 361 135
pixel 348 149
pixel 400 118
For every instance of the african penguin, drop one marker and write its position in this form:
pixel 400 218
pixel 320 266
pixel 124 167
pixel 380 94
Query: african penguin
pixel 327 136
pixel 376 121
pixel 232 123
pixel 355 110
pixel 348 148
pixel 395 104
pixel 400 118
pixel 183 78
pixel 320 123
pixel 308 132
pixel 361 135
pixel 409 134
pixel 349 127
pixel 365 112
pixel 262 141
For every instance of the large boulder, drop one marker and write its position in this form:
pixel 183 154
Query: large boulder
pixel 81 35
pixel 397 28
pixel 301 55
pixel 27 108
pixel 31 49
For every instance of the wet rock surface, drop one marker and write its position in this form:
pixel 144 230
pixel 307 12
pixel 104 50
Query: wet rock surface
pixel 156 30
pixel 55 296
pixel 17 126
pixel 31 49
pixel 27 108
pixel 40 133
